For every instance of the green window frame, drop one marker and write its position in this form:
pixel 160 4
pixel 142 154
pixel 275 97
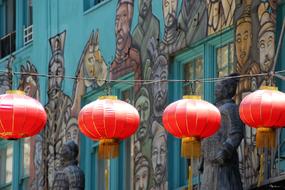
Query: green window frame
pixel 207 50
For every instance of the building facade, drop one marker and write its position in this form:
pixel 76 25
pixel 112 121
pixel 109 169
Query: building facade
pixel 107 46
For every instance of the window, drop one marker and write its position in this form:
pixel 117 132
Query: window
pixel 120 169
pixel 28 21
pixel 225 60
pixel 14 154
pixel 91 3
pixel 25 165
pixel 8 37
pixel 193 70
pixel 209 59
pixel 6 165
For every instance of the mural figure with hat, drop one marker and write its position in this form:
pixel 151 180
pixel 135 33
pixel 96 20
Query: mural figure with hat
pixel 220 165
pixel 244 56
pixel 142 172
pixel 266 37
pixel 127 58
pixel 159 89
pixel 174 37
pixel 220 14
pixel 58 110
pixel 193 20
pixel 91 65
pixel 147 27
pixel 143 106
pixel 159 157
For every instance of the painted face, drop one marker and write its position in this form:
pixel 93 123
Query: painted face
pixel 122 26
pixel 159 157
pixel 159 89
pixel 267 50
pixel 72 134
pixel 141 182
pixel 243 42
pixel 169 12
pixel 143 107
pixel 29 86
pixel 144 7
pixel 56 69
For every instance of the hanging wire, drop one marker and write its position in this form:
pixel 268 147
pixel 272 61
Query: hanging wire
pixel 148 82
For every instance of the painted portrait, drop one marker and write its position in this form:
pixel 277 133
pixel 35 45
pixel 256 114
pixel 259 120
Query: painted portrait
pixel 127 58
pixel 159 156
pixel 147 28
pixel 266 37
pixel 173 37
pixel 58 110
pixel 29 82
pixel 91 65
pixel 142 172
pixel 160 87
pixel 193 20
pixel 220 14
pixel 143 106
pixel 94 65
pixel 245 64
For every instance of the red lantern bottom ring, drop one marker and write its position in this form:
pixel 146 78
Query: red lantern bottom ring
pixel 265 138
pixel 108 148
pixel 191 147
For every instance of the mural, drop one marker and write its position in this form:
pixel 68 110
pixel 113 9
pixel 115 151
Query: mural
pixel 147 28
pixel 29 83
pixel 60 125
pixel 243 43
pixel 220 14
pixel 266 38
pixel 142 172
pixel 91 65
pixel 147 54
pixel 193 20
pixel 127 58
pixel 174 38
pixel 5 77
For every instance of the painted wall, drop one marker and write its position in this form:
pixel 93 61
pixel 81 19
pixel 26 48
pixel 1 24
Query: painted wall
pixel 120 37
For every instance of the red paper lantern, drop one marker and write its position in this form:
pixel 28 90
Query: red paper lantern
pixel 108 120
pixel 264 109
pixel 191 119
pixel 20 115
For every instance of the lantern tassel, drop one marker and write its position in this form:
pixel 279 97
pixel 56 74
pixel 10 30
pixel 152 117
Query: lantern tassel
pixel 191 147
pixel 107 178
pixel 108 148
pixel 261 170
pixel 190 187
pixel 265 138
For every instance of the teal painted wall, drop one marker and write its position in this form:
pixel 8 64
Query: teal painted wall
pixel 55 16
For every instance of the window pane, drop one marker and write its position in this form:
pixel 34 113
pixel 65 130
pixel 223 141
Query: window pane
pixel 127 96
pixel 6 163
pixel 192 71
pixel 225 60
pixel 26 157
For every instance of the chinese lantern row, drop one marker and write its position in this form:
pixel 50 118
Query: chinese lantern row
pixel 109 120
